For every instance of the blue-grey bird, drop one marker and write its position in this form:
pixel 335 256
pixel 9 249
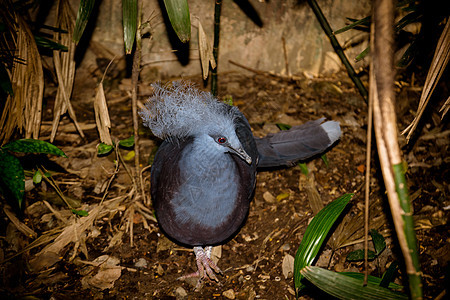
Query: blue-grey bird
pixel 203 175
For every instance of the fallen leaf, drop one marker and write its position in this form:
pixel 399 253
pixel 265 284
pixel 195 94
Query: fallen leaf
pixel 288 266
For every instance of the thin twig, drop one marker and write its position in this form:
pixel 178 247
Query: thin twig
pixel 286 62
pixel 55 186
pixel 266 73
pixel 217 10
pixel 367 190
pixel 134 91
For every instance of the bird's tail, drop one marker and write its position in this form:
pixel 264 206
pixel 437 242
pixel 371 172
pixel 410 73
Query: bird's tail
pixel 287 147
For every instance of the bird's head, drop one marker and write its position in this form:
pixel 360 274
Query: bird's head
pixel 228 141
pixel 179 110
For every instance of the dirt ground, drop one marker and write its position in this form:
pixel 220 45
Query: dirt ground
pixel 256 263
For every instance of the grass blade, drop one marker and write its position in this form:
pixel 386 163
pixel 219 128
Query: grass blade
pixel 129 23
pixel 178 12
pixel 84 12
pixel 315 235
pixel 346 287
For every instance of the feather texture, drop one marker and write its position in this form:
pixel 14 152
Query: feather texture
pixel 179 110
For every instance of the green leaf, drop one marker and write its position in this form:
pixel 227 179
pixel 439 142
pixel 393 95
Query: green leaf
pixel 228 100
pixel 362 54
pixel 364 21
pixel 37 177
pixel 372 279
pixel 410 18
pixel 127 143
pixel 129 156
pixel 346 287
pixel 178 12
pixel 52 28
pixel 325 159
pixel 5 82
pixel 315 234
pixel 358 255
pixel 83 15
pixel 304 168
pixel 104 149
pixel 12 176
pixel 378 241
pixel 388 276
pixel 129 8
pixel 283 126
pixel 410 53
pixel 80 212
pixel 33 146
pixel 47 43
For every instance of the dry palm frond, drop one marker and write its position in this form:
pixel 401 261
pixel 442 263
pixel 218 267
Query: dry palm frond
pixel 444 109
pixel 64 66
pixel 101 112
pixel 22 110
pixel 206 51
pixel 438 65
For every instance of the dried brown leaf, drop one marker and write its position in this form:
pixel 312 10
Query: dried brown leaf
pixel 106 275
pixel 102 115
pixel 27 231
pixel 23 110
pixel 309 184
pixel 64 66
pixel 288 266
pixel 205 50
pixel 438 64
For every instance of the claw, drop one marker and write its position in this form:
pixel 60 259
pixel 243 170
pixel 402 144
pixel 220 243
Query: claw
pixel 206 267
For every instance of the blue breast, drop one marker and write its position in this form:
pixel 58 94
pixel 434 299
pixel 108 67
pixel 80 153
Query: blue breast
pixel 208 189
pixel 200 197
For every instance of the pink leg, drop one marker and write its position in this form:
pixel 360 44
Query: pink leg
pixel 206 267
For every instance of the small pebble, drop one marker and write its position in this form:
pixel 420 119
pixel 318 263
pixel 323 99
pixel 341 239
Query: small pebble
pixel 141 263
pixel 180 293
pixel 229 294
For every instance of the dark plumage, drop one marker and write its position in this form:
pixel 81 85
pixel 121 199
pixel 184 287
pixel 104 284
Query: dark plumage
pixel 203 176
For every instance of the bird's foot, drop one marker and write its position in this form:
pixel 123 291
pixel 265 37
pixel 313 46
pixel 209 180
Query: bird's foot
pixel 206 267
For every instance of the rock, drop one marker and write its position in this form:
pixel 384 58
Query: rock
pixel 180 293
pixel 229 294
pixel 141 263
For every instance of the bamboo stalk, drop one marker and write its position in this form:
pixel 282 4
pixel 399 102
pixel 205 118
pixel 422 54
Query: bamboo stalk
pixel 383 97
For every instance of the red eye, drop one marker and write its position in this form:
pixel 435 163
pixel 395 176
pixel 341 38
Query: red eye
pixel 221 140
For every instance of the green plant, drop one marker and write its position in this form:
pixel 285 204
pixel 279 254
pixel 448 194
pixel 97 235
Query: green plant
pixel 379 245
pixel 105 149
pixel 414 12
pixel 12 177
pixel 341 285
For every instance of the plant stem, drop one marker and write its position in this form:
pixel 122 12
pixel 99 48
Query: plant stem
pixel 382 93
pixel 217 9
pixel 338 49
pixel 134 83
